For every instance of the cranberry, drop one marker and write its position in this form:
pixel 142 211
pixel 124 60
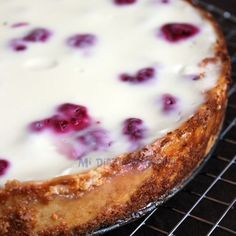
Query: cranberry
pixel 169 102
pixel 37 35
pixel 174 32
pixel 141 76
pixel 4 165
pixel 69 110
pixel 80 123
pixel 81 40
pixel 41 125
pixel 60 125
pixel 127 78
pixel 145 74
pixel 124 2
pixel 18 45
pixel 76 114
pixel 68 117
pixel 134 129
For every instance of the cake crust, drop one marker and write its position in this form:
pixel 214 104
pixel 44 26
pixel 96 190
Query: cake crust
pixel 82 203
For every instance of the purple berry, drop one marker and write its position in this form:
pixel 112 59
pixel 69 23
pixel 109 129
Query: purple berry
pixel 68 117
pixel 82 40
pixel 145 74
pixel 80 123
pixel 128 78
pixel 18 45
pixel 55 123
pixel 124 2
pixel 60 125
pixel 169 102
pixel 4 165
pixel 141 76
pixel 175 32
pixel 37 126
pixel 76 114
pixel 134 129
pixel 40 125
pixel 69 110
pixel 38 35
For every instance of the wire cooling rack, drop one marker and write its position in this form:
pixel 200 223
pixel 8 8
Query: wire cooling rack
pixel 207 205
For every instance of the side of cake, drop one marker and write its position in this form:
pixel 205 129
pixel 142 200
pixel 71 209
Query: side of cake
pixel 149 166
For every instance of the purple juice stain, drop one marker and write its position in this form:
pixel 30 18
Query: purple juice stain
pixel 95 140
pixel 134 129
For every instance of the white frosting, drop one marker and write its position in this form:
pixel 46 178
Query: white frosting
pixel 34 82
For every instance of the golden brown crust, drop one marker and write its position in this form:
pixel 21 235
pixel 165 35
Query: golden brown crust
pixel 77 204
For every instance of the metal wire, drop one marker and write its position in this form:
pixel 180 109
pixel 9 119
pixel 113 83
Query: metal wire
pixel 223 17
pixel 203 196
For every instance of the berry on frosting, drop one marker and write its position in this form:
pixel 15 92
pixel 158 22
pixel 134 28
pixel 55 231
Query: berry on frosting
pixel 141 76
pixel 4 165
pixel 40 125
pixel 169 102
pixel 175 32
pixel 74 123
pixel 69 110
pixel 81 40
pixel 76 114
pixel 145 74
pixel 34 36
pixel 134 129
pixel 37 35
pixel 80 123
pixel 60 125
pixel 69 117
pixel 18 45
pixel 127 78
pixel 124 2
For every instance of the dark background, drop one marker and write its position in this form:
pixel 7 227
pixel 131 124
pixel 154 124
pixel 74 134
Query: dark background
pixel 229 5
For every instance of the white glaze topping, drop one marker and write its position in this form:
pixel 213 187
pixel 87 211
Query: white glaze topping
pixel 35 81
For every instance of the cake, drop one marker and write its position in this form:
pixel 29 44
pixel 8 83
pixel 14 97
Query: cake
pixel 106 106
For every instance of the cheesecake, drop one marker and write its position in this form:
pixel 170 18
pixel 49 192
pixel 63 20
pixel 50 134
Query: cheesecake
pixel 105 107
